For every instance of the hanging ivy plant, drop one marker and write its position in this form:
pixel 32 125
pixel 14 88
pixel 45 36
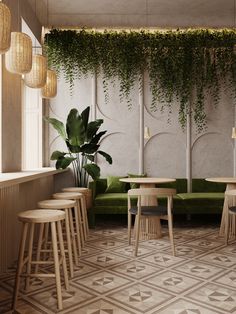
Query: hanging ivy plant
pixel 182 64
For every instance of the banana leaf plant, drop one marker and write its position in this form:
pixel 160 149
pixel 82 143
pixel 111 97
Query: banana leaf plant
pixel 82 141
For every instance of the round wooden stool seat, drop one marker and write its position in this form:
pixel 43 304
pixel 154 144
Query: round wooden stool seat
pixel 41 216
pixel 68 196
pixel 57 204
pixel 75 189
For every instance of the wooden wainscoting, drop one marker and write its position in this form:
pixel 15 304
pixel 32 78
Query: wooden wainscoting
pixel 13 199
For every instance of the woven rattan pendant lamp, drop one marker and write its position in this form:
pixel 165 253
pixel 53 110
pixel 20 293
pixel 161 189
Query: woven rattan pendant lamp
pixel 5 28
pixel 36 78
pixel 18 58
pixel 50 88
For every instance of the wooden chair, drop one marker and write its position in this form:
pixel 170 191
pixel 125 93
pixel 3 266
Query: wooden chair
pixel 71 248
pixel 29 219
pixel 148 212
pixel 230 215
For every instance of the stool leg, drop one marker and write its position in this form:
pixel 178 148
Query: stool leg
pixel 77 226
pixel 39 246
pixel 73 236
pixel 68 239
pixel 226 226
pixel 56 265
pixel 30 250
pixel 61 244
pixel 45 239
pixel 86 215
pixel 83 213
pixel 78 209
pixel 20 264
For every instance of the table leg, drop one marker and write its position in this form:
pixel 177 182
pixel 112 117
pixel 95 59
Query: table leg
pixel 152 223
pixel 230 186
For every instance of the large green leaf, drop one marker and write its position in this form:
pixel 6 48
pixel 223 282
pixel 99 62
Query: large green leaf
pixel 92 128
pixel 90 148
pixel 90 157
pixel 85 117
pixel 64 162
pixel 93 170
pixel 73 149
pixel 58 125
pixel 97 137
pixel 57 154
pixel 106 156
pixel 75 128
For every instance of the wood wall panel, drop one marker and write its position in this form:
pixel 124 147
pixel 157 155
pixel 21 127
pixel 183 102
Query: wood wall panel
pixel 14 199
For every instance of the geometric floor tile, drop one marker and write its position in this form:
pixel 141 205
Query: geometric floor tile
pixel 228 279
pixel 185 307
pixel 199 269
pixel 216 258
pixel 162 259
pixel 187 251
pixel 109 279
pixel 102 282
pixel 105 260
pixel 101 307
pixel 106 243
pixel 230 249
pixel 156 244
pixel 140 297
pixel 217 296
pixel 204 244
pixel 172 282
pixel 129 251
pixel 47 299
pixel 136 270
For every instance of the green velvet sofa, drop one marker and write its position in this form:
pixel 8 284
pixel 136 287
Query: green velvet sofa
pixel 205 198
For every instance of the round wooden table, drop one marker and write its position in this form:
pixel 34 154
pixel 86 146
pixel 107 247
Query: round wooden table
pixel 148 182
pixel 230 185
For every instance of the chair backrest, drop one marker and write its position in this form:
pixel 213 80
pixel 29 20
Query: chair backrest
pixel 144 193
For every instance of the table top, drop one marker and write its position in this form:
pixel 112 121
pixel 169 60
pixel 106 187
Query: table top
pixel 222 180
pixel 147 180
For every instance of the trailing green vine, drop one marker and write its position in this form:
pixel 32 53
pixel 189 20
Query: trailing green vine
pixel 182 64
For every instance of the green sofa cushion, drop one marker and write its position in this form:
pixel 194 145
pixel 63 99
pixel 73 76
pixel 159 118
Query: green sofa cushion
pixel 195 196
pixel 114 185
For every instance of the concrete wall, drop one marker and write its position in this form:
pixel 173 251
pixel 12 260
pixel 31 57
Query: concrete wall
pixel 170 152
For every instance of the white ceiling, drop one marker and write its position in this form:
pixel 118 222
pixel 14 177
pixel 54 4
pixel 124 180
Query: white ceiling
pixel 136 13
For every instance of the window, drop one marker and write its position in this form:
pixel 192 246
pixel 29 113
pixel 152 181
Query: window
pixel 31 118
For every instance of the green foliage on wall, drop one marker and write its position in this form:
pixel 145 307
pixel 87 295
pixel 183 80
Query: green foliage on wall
pixel 181 64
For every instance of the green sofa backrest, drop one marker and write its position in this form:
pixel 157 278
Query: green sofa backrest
pixel 99 186
pixel 180 185
pixel 201 185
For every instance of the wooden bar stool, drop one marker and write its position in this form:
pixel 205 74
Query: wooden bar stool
pixel 29 219
pixel 85 192
pixel 67 206
pixel 79 213
pixel 230 215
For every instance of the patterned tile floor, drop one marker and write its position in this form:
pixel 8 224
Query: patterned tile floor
pixel 201 279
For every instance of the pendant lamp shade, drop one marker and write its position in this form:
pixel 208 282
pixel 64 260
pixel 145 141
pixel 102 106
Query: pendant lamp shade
pixel 5 28
pixel 36 78
pixel 50 88
pixel 18 58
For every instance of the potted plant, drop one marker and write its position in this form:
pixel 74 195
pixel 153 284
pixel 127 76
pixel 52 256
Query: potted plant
pixel 82 140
